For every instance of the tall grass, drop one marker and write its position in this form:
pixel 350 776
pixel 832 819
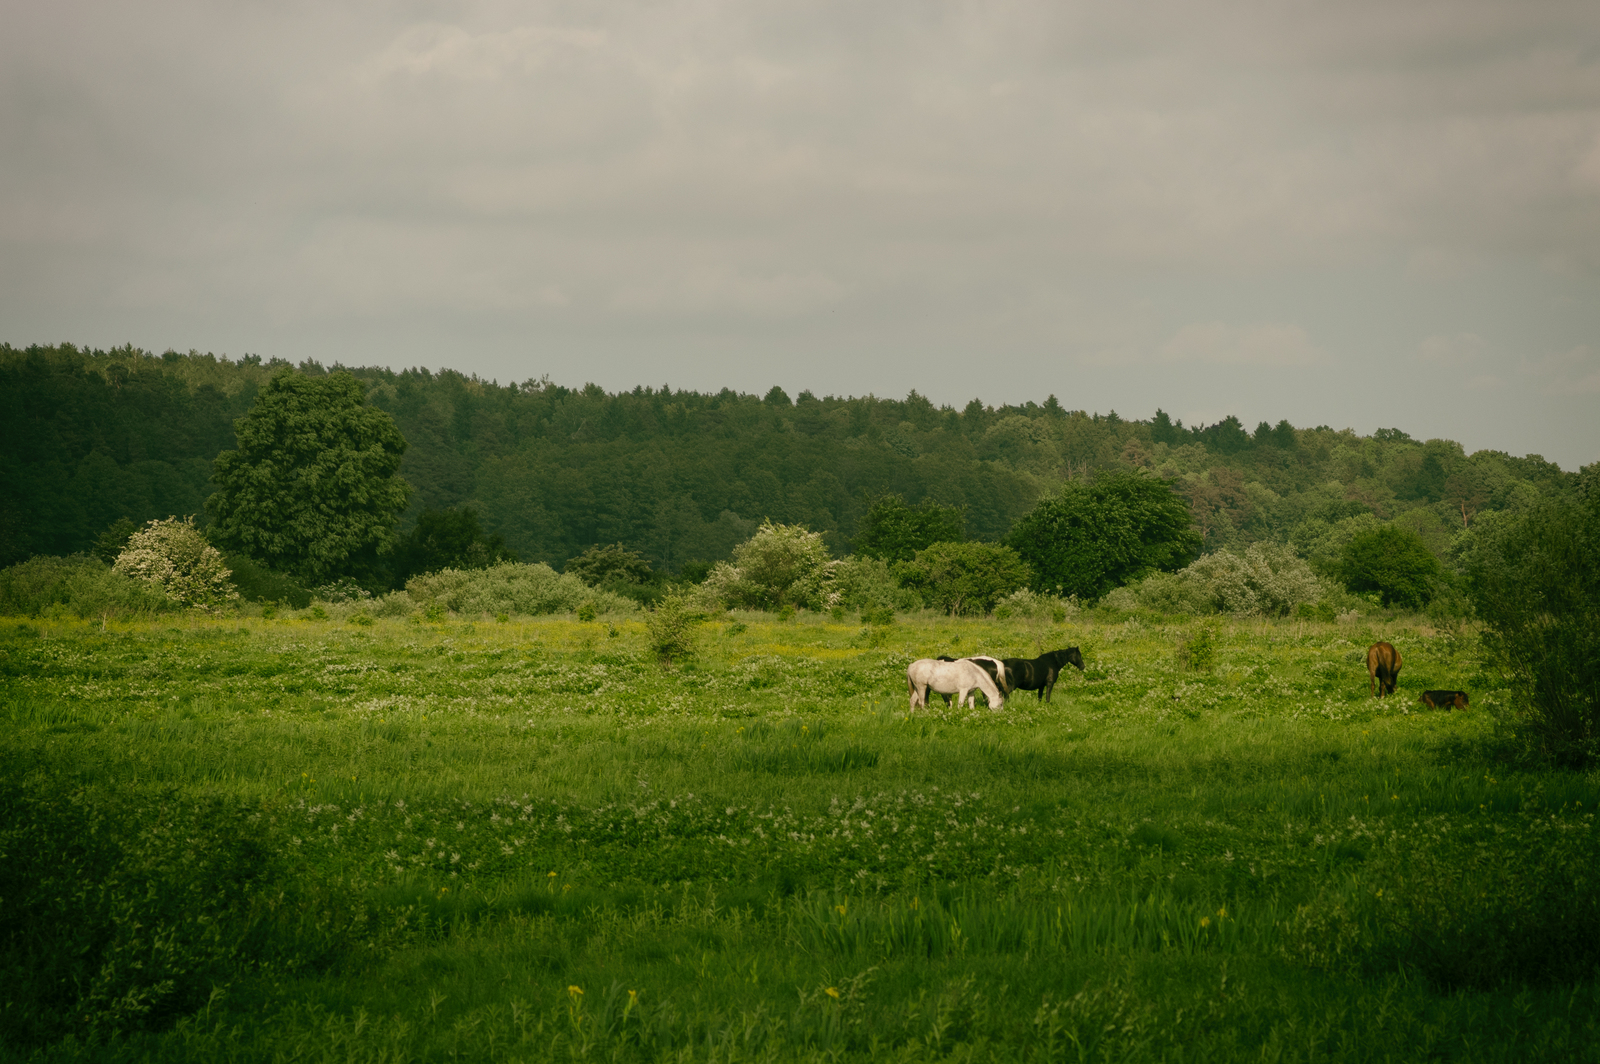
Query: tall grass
pixel 532 818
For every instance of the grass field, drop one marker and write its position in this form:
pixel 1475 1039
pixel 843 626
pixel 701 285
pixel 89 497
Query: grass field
pixel 525 840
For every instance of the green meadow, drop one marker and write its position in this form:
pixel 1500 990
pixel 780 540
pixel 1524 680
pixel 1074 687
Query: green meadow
pixel 345 838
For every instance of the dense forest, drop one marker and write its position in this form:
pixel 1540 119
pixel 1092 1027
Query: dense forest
pixel 91 437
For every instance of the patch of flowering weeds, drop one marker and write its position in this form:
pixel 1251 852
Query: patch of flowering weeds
pixel 874 840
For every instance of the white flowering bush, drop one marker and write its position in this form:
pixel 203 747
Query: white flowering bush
pixel 511 587
pixel 780 565
pixel 1268 580
pixel 1173 593
pixel 173 557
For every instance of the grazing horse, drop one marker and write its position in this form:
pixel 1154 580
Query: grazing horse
pixel 949 677
pixel 1444 699
pixel 1040 673
pixel 993 666
pixel 1383 669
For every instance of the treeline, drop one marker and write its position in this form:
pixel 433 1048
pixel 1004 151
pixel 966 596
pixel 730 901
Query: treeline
pixel 91 437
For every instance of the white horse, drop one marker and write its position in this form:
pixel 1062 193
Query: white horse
pixel 950 677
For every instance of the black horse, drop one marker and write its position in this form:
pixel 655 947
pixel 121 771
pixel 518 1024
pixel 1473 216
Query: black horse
pixel 1040 673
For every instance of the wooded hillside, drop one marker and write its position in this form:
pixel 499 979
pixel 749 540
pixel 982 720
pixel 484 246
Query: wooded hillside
pixel 88 437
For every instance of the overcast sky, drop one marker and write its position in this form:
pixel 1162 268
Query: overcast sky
pixel 1352 213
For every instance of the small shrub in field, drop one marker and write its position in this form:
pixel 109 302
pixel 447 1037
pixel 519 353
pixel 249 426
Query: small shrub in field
pixel 878 615
pixel 780 564
pixel 394 604
pixel 1197 649
pixel 1267 580
pixel 1026 603
pixel 862 583
pixel 511 588
pixel 586 611
pixel 173 557
pixel 79 585
pixel 671 627
pixel 342 590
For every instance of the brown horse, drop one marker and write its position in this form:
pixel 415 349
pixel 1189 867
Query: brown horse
pixel 1444 699
pixel 1383 669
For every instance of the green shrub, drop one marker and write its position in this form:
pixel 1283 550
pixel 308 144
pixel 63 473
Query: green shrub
pixel 1197 648
pixel 779 564
pixel 1535 584
pixel 1267 580
pixel 860 583
pixel 1024 602
pixel 877 615
pixel 1392 562
pixel 964 578
pixel 257 583
pixel 618 570
pixel 80 586
pixel 511 588
pixel 671 627
pixel 891 531
pixel 394 604
pixel 129 911
pixel 1089 538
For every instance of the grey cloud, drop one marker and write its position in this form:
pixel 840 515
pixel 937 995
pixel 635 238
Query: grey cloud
pixel 846 197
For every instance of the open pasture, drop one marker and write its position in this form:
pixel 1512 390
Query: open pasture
pixel 560 849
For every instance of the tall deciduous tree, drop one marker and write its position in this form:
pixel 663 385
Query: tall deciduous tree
pixel 1089 538
pixel 314 486
pixel 893 531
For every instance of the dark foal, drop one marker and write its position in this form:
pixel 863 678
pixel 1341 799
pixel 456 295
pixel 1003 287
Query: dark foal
pixel 1444 699
pixel 1040 673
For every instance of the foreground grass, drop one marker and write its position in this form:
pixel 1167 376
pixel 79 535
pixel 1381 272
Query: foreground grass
pixel 569 851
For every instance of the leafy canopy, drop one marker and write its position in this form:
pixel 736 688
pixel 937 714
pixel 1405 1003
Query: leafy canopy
pixel 964 578
pixel 607 563
pixel 314 486
pixel 1091 537
pixel 1394 562
pixel 893 531
pixel 447 539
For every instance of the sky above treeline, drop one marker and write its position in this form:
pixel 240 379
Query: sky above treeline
pixel 1360 214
